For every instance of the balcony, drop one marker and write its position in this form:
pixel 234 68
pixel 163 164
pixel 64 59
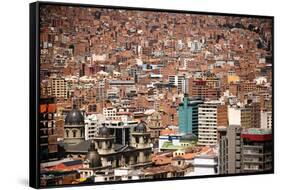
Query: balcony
pixel 237 157
pixel 252 152
pixel 237 143
pixel 251 168
pixel 238 149
pixel 252 160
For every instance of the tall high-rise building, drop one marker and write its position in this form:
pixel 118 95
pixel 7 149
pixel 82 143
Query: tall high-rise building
pixel 206 88
pixel 248 116
pixel 255 114
pixel 188 115
pixel 210 115
pixel 244 150
pixel 229 149
pixel 256 148
pixel 179 81
pixel 100 91
pixel 92 124
pixel 266 119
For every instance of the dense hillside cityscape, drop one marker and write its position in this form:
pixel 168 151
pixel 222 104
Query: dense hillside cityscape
pixel 136 95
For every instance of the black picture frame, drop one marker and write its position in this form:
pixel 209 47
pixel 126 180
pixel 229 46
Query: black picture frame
pixel 34 89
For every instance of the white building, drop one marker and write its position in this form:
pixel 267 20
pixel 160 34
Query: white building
pixel 234 115
pixel 92 123
pixel 205 165
pixel 125 174
pixel 173 138
pixel 260 80
pixel 179 81
pixel 110 113
pixel 195 46
pixel 207 123
pixel 60 60
pixel 101 57
pixel 266 119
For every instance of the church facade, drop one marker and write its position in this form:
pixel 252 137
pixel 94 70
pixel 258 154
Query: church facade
pixel 102 151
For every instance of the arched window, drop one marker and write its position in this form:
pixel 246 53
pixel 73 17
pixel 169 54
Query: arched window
pixel 67 133
pixel 74 133
pixel 82 133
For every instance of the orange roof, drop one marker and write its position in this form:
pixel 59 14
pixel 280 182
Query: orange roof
pixel 189 156
pixel 51 108
pixel 123 113
pixel 167 132
pixel 63 167
pixel 205 149
pixel 162 160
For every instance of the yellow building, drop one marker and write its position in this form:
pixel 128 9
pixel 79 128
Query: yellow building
pixel 233 79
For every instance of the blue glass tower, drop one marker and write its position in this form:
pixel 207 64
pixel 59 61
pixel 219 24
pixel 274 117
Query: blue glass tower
pixel 188 115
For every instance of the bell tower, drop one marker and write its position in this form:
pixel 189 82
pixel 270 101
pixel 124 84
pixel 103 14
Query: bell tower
pixel 141 141
pixel 104 143
pixel 74 127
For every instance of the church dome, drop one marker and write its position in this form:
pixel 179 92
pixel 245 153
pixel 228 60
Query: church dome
pixel 94 157
pixel 104 131
pixel 74 117
pixel 141 127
